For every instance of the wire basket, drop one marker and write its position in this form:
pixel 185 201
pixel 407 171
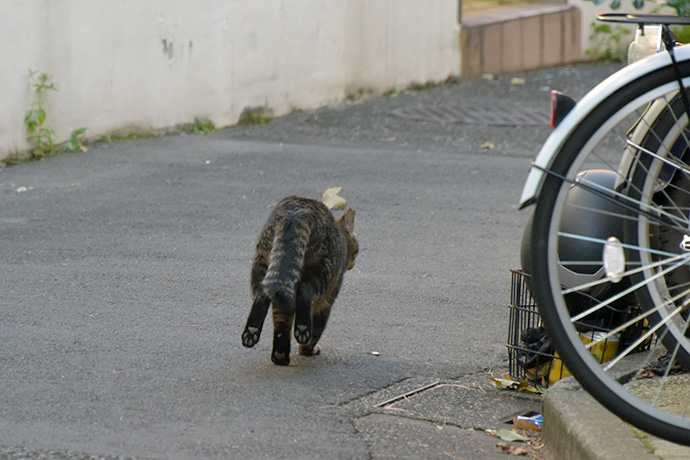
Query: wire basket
pixel 528 360
pixel 529 355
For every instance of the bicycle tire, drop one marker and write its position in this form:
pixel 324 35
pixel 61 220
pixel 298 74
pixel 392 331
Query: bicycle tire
pixel 601 141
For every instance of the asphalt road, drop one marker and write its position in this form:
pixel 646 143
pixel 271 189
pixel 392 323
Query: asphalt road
pixel 125 282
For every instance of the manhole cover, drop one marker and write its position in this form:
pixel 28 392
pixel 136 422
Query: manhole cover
pixel 477 114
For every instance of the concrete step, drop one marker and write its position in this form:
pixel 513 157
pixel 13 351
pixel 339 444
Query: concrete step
pixel 517 38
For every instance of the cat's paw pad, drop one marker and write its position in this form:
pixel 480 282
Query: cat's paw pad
pixel 302 334
pixel 280 358
pixel 250 336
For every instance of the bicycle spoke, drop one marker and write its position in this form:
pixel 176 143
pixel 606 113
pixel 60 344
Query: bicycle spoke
pixel 645 336
pixel 634 271
pixel 683 218
pixel 620 198
pixel 630 290
pixel 632 321
pixel 626 202
pixel 637 248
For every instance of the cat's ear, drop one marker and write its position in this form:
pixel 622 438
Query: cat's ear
pixel 348 220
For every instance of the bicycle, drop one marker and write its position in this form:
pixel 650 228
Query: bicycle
pixel 610 241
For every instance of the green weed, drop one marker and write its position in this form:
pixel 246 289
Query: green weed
pixel 37 133
pixel 203 126
pixel 74 143
pixel 610 43
pixel 255 116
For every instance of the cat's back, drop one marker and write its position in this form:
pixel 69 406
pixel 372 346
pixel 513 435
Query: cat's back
pixel 312 221
pixel 309 211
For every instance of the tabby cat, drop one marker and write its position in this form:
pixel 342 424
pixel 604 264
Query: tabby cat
pixel 301 257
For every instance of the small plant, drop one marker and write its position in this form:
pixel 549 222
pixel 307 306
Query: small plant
pixel 40 136
pixel 36 132
pixel 255 116
pixel 259 119
pixel 75 143
pixel 203 126
pixel 610 43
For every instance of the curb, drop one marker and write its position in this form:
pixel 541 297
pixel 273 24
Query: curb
pixel 577 427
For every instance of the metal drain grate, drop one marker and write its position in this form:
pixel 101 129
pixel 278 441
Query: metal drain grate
pixel 476 114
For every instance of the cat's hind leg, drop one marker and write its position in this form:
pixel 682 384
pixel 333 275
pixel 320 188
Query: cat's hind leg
pixel 283 317
pixel 303 323
pixel 260 304
pixel 255 322
pixel 320 312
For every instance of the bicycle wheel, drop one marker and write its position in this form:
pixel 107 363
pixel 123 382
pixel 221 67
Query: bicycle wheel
pixel 608 266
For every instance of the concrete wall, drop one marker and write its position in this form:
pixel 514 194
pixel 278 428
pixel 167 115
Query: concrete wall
pixel 138 66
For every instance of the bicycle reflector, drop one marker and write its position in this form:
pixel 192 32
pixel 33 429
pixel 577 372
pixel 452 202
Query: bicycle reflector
pixel 560 106
pixel 614 259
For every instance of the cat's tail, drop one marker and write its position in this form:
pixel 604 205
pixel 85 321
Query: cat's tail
pixel 286 260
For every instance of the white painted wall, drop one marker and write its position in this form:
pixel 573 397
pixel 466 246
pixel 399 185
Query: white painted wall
pixel 133 65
